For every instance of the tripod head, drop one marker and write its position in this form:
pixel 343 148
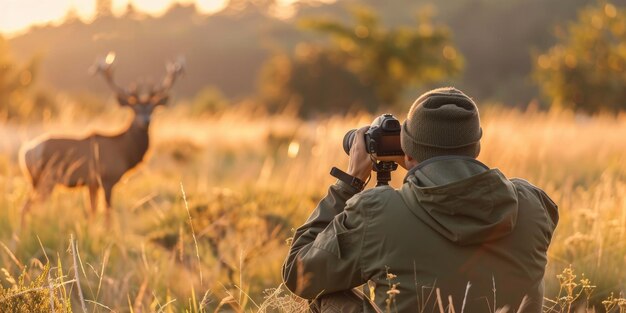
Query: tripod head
pixel 383 171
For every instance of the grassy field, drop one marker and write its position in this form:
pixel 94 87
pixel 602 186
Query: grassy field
pixel 203 222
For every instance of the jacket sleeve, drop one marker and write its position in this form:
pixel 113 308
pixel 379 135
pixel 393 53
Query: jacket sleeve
pixel 550 207
pixel 324 254
pixel 552 213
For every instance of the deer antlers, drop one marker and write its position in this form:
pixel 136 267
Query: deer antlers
pixel 104 67
pixel 174 70
pixel 156 94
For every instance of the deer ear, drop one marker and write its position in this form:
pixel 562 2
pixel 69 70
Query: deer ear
pixel 126 100
pixel 123 101
pixel 156 101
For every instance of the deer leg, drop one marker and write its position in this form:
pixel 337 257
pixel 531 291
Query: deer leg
pixel 32 197
pixel 39 193
pixel 27 205
pixel 108 189
pixel 29 202
pixel 93 198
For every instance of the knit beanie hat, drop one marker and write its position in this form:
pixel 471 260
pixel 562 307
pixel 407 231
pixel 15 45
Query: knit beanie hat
pixel 443 121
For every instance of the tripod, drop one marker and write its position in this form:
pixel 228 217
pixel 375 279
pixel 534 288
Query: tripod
pixel 383 171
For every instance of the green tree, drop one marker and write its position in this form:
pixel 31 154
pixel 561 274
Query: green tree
pixel 17 99
pixel 14 82
pixel 390 60
pixel 364 66
pixel 313 81
pixel 585 70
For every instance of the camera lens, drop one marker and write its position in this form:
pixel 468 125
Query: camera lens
pixel 348 139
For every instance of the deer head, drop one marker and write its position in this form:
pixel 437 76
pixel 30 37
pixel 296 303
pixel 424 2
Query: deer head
pixel 140 98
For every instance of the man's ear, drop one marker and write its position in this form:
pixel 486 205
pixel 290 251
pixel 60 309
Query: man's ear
pixel 409 162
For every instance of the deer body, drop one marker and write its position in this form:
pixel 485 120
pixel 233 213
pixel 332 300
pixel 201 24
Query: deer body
pixel 96 161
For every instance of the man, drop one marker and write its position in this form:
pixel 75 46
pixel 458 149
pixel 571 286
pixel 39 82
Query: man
pixel 457 233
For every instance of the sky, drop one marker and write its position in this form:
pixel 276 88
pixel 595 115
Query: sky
pixel 17 15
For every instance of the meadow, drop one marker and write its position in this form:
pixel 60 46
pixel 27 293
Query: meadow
pixel 202 225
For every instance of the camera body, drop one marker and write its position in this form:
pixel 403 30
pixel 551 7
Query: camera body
pixel 382 139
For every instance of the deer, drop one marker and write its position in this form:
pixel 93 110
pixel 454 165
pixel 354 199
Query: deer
pixel 96 161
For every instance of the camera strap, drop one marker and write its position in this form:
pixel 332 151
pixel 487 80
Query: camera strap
pixel 354 182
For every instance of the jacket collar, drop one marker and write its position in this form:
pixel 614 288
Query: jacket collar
pixel 436 159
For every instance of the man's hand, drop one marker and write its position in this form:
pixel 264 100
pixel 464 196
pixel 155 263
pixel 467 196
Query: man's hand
pixel 360 165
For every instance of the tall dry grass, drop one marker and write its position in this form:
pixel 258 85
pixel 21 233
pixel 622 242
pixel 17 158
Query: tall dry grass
pixel 250 178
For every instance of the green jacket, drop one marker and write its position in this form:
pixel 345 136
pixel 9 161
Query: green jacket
pixel 454 223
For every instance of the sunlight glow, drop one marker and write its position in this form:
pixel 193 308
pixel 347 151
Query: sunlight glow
pixel 110 58
pixel 293 149
pixel 18 15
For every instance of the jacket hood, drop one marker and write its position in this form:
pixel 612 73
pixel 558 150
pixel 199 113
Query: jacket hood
pixel 462 199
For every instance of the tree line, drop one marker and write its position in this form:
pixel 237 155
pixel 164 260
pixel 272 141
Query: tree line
pixel 362 61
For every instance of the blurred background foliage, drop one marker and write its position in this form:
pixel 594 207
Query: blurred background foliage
pixel 371 55
pixel 585 68
pixel 16 80
pixel 365 65
pixel 313 81
pixel 388 61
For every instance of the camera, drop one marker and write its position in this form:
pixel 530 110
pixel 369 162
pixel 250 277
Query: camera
pixel 382 139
